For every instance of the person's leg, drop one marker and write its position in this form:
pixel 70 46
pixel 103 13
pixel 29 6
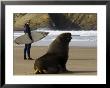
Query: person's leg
pixel 28 51
pixel 25 49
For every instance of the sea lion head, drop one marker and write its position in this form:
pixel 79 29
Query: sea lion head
pixel 65 37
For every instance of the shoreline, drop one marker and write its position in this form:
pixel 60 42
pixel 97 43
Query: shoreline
pixel 79 38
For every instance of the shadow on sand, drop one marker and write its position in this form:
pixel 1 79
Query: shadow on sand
pixel 77 72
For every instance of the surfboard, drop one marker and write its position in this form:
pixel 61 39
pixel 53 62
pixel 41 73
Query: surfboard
pixel 36 36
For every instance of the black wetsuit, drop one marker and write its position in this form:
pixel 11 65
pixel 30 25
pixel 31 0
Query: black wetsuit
pixel 27 46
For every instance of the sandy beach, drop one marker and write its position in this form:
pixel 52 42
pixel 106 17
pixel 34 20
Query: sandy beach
pixel 82 60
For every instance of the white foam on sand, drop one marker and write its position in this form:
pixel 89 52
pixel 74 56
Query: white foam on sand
pixel 79 38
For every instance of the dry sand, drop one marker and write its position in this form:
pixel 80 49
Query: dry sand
pixel 82 61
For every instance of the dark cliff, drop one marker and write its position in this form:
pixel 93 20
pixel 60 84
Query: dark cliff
pixel 61 21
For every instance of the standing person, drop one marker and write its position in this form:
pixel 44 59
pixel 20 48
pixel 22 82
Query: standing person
pixel 27 46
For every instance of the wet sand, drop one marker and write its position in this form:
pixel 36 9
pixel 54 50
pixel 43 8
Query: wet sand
pixel 82 60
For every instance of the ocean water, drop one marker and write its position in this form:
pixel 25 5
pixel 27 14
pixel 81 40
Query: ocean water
pixel 79 38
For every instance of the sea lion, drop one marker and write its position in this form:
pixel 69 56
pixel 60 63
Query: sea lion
pixel 54 61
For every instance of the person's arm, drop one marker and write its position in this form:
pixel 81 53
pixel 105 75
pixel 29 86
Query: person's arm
pixel 29 33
